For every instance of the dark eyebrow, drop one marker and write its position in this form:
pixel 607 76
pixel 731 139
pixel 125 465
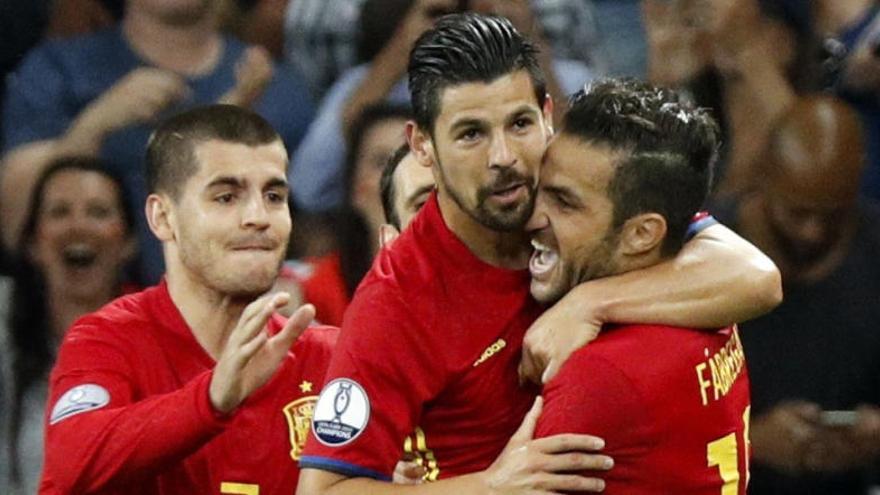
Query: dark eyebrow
pixel 276 182
pixel 422 190
pixel 225 181
pixel 523 110
pixel 466 122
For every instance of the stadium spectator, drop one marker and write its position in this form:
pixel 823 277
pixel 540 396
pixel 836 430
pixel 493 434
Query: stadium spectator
pixel 101 94
pixel 457 274
pixel 77 240
pixel 159 391
pixel 820 349
pixel 389 28
pixel 404 187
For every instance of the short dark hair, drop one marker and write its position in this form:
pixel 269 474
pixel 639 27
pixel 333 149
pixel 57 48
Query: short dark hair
pixel 171 158
pixel 386 185
pixel 465 48
pixel 370 116
pixel 668 147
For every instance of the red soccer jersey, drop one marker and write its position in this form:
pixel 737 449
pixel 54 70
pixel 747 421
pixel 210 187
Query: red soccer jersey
pixel 672 405
pixel 426 361
pixel 129 411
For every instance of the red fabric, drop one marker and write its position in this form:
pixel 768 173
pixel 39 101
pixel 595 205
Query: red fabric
pixel 159 434
pixel 421 320
pixel 323 285
pixel 639 387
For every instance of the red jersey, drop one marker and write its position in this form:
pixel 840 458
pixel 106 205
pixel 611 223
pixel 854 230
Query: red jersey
pixel 426 361
pixel 322 285
pixel 129 410
pixel 672 405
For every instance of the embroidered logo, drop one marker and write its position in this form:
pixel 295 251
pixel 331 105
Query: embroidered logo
pixel 491 351
pixel 299 419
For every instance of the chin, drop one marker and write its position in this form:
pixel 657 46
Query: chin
pixel 544 293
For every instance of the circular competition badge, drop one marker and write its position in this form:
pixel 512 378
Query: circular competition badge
pixel 342 412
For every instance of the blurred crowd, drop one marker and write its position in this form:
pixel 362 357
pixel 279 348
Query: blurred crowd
pixel 795 85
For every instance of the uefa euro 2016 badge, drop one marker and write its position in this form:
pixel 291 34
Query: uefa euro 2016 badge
pixel 341 413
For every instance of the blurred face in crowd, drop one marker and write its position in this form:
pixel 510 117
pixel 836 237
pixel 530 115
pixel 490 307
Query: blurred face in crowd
pixel 487 143
pixel 377 144
pixel 81 240
pixel 413 184
pixel 807 215
pixel 231 224
pixel 571 227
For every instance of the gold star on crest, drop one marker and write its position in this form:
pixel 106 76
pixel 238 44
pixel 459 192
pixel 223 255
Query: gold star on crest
pixel 305 386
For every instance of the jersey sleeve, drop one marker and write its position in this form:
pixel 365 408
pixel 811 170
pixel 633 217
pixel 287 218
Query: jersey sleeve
pixel 590 395
pixel 99 435
pixel 376 386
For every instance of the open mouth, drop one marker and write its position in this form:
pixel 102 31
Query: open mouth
pixel 510 193
pixel 543 259
pixel 79 256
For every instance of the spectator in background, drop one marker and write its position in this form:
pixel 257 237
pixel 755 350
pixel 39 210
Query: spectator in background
pixel 820 349
pixel 322 37
pixel 100 95
pixel 329 280
pixel 77 239
pixel 388 29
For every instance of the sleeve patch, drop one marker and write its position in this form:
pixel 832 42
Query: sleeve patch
pixel 342 413
pixel 79 399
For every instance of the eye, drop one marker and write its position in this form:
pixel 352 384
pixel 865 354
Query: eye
pixel 276 197
pixel 224 198
pixel 99 211
pixel 469 135
pixel 522 123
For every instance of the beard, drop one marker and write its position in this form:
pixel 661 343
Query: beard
pixel 508 218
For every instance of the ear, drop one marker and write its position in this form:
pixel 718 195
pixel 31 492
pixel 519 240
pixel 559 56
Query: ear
pixel 642 234
pixel 160 216
pixel 387 234
pixel 548 114
pixel 420 143
pixel 130 249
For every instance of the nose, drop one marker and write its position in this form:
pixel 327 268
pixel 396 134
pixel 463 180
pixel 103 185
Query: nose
pixel 539 220
pixel 500 153
pixel 811 230
pixel 254 213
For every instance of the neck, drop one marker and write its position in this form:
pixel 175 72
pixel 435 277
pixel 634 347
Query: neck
pixel 64 309
pixel 191 49
pixel 210 315
pixel 509 250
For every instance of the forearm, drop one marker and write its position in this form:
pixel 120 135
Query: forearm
pixel 717 279
pixel 19 171
pixel 384 72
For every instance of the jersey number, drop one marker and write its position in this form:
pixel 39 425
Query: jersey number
pixel 724 453
pixel 239 488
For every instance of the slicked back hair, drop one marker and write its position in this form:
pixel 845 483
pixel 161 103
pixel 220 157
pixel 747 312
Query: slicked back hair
pixel 668 148
pixel 171 157
pixel 386 185
pixel 467 48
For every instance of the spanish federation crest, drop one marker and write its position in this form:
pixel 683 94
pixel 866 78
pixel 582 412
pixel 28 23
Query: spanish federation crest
pixel 342 412
pixel 299 420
